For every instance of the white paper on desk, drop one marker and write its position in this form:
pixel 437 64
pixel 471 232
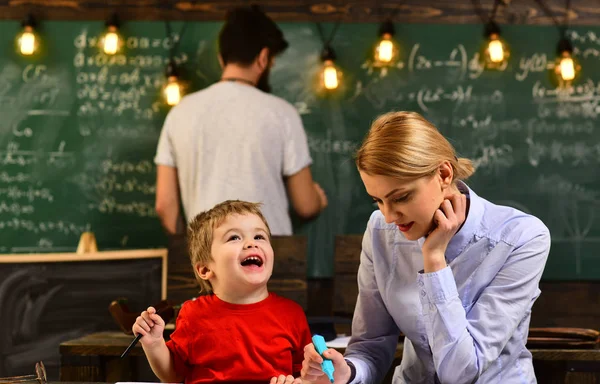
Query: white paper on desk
pixel 338 342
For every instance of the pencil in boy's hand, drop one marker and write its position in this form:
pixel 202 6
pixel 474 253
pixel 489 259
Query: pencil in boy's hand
pixel 166 313
pixel 326 365
pixel 133 343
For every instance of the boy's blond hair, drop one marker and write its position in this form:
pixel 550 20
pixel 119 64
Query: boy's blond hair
pixel 405 146
pixel 202 227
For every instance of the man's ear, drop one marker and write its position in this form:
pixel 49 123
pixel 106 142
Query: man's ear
pixel 203 271
pixel 221 63
pixel 446 174
pixel 263 59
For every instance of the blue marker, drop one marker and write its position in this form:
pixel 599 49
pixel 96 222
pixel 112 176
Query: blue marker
pixel 326 365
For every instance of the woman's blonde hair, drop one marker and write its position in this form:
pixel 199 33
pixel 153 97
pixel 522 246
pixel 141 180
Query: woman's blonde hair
pixel 406 146
pixel 201 229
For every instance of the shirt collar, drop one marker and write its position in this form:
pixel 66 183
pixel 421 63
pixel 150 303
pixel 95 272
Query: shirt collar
pixel 466 234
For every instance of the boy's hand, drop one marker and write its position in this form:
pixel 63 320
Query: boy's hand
pixel 150 325
pixel 282 379
pixel 311 366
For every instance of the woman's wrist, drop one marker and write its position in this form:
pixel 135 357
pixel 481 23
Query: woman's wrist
pixel 433 262
pixel 352 370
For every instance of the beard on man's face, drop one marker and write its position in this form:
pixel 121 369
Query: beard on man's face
pixel 263 81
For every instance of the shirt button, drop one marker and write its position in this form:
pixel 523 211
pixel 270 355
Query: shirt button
pixel 423 294
pixel 420 283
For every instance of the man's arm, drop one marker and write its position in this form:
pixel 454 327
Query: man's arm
pixel 306 196
pixel 168 201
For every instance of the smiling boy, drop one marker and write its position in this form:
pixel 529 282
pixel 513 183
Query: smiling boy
pixel 238 332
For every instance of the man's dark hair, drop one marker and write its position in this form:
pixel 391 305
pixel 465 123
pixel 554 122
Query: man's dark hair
pixel 247 30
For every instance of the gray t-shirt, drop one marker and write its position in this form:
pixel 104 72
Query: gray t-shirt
pixel 233 141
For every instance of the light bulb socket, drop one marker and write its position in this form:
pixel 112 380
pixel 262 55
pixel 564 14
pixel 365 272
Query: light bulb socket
pixel 29 21
pixel 328 53
pixel 491 28
pixel 387 28
pixel 113 21
pixel 564 45
pixel 172 69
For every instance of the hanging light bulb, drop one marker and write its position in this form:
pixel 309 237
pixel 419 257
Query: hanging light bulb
pixel 331 75
pixel 386 51
pixel 172 90
pixel 28 40
pixel 111 42
pixel 566 66
pixel 496 52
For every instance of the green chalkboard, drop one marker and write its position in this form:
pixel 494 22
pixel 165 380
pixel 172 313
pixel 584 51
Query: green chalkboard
pixel 78 130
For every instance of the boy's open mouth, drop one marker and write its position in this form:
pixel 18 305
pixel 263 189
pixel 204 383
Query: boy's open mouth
pixel 252 260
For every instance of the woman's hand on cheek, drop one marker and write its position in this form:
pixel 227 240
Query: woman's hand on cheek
pixel 447 220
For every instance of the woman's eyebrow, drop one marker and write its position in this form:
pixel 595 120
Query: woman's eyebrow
pixel 392 192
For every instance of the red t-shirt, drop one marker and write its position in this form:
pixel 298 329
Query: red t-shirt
pixel 215 341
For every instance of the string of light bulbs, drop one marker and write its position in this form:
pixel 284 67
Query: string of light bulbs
pixel 496 51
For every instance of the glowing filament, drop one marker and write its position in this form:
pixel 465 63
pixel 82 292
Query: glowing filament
pixel 172 91
pixel 330 76
pixel 385 50
pixel 567 68
pixel 496 51
pixel 111 41
pixel 27 41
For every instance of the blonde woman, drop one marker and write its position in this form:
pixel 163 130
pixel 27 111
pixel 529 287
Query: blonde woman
pixel 455 273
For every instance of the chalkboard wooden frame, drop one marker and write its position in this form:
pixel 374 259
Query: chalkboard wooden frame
pixel 94 256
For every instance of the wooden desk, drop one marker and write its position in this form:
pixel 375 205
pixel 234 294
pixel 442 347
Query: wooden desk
pixel 567 366
pixel 96 357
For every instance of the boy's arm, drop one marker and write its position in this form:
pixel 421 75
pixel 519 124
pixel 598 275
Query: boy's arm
pixel 161 362
pixel 151 326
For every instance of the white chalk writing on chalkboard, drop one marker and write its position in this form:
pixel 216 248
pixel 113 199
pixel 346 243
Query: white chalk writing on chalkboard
pixel 578 153
pixel 574 211
pixel 12 155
